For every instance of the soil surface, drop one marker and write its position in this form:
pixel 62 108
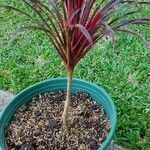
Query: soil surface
pixel 38 125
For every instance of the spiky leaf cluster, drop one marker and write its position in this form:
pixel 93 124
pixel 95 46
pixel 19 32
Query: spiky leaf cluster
pixel 74 26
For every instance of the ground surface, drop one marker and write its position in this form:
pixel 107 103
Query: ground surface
pixel 122 70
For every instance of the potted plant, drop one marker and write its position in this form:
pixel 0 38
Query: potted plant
pixel 73 27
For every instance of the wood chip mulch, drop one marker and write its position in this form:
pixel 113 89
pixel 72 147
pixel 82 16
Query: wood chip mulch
pixel 38 125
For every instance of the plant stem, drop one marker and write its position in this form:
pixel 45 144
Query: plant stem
pixel 68 98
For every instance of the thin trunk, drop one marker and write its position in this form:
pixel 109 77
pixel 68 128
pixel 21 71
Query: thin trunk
pixel 68 99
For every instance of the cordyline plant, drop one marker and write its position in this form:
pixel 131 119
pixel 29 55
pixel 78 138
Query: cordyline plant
pixel 75 26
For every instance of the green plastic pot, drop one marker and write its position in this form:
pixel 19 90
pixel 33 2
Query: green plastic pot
pixel 25 96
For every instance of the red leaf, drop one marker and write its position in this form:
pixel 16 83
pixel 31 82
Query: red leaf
pixel 70 19
pixel 85 32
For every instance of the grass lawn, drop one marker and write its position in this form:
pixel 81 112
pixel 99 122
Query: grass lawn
pixel 123 70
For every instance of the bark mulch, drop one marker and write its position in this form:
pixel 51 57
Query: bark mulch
pixel 38 125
